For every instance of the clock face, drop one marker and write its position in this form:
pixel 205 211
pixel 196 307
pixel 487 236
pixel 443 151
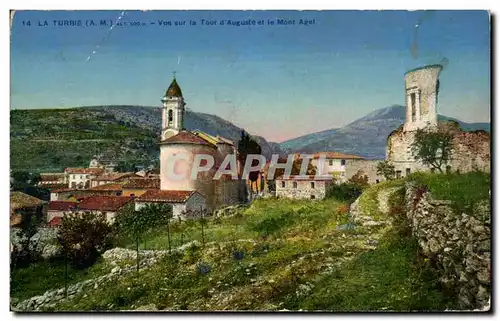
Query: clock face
pixel 169 133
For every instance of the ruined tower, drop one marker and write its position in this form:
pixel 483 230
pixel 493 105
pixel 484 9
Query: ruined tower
pixel 422 87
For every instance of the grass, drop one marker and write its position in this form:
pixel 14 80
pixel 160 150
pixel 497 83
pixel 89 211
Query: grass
pixel 297 260
pixel 41 276
pixel 463 190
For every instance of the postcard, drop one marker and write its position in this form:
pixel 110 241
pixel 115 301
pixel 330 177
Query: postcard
pixel 260 160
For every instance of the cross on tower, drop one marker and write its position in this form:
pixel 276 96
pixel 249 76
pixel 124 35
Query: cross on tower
pixel 174 72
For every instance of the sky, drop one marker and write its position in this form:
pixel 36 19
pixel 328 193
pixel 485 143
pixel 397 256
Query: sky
pixel 276 81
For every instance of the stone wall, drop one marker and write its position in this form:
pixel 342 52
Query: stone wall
pixel 458 244
pixel 367 167
pixel 303 189
pixel 471 150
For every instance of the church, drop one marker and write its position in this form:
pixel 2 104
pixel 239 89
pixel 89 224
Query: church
pixel 188 194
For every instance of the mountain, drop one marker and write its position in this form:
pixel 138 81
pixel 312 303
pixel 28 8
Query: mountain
pixel 52 139
pixel 366 136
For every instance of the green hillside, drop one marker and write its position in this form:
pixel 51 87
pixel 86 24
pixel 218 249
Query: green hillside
pixel 50 140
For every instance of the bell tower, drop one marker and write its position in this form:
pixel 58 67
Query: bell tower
pixel 173 111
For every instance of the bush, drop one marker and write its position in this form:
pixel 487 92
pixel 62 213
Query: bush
pixel 84 237
pixel 345 192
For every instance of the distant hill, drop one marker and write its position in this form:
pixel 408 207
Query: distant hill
pixel 53 139
pixel 366 136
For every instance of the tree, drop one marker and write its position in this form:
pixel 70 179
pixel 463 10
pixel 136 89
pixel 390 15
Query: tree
pixel 433 148
pixel 386 169
pixel 248 146
pixel 83 237
pixel 136 223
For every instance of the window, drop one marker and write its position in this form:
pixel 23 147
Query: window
pixel 170 116
pixel 408 170
pixel 294 184
pixel 398 174
pixel 342 162
pixel 413 102
pixel 132 195
pixel 312 184
pixel 283 184
pixel 330 162
pixel 377 181
pixel 313 197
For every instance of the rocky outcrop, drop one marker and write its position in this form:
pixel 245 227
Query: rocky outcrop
pixel 457 243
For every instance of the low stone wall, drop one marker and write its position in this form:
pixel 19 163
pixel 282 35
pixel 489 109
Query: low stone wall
pixel 458 244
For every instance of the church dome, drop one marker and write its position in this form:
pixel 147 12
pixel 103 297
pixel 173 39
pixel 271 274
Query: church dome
pixel 174 90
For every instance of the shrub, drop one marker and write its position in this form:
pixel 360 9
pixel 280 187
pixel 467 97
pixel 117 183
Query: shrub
pixel 345 192
pixel 84 237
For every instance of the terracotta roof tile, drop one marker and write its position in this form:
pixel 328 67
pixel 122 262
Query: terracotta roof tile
pixel 20 200
pixel 104 203
pixel 56 221
pixel 113 176
pixel 61 206
pixel 107 187
pixel 186 137
pixel 76 170
pixel 143 183
pixel 165 196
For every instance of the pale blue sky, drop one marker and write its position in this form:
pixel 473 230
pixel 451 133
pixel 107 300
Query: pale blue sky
pixel 276 81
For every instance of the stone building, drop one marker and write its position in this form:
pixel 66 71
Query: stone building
pixel 24 207
pixel 183 202
pixel 335 164
pixel 303 187
pixel 110 178
pixel 470 150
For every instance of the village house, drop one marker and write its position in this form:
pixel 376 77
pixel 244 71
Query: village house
pixel 109 178
pixel 184 203
pixel 137 187
pixel 58 209
pixel 303 186
pixel 24 207
pixel 335 164
pixel 108 206
pixel 52 180
pixel 80 178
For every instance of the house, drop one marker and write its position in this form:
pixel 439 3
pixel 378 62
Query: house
pixel 108 206
pixel 139 186
pixel 109 178
pixel 111 189
pixel 183 203
pixel 303 186
pixel 57 209
pixel 80 178
pixel 52 180
pixel 335 163
pixel 24 207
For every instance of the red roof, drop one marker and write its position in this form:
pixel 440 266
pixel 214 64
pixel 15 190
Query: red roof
pixel 186 137
pixel 166 196
pixel 56 221
pixel 113 176
pixel 61 206
pixel 306 178
pixel 336 155
pixel 104 203
pixel 60 190
pixel 94 171
pixel 106 187
pixel 143 183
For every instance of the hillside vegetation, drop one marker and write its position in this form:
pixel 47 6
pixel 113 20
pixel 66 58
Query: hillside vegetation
pixel 276 255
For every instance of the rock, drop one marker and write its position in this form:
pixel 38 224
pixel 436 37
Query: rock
pixel 116 270
pixel 372 242
pixel 148 307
